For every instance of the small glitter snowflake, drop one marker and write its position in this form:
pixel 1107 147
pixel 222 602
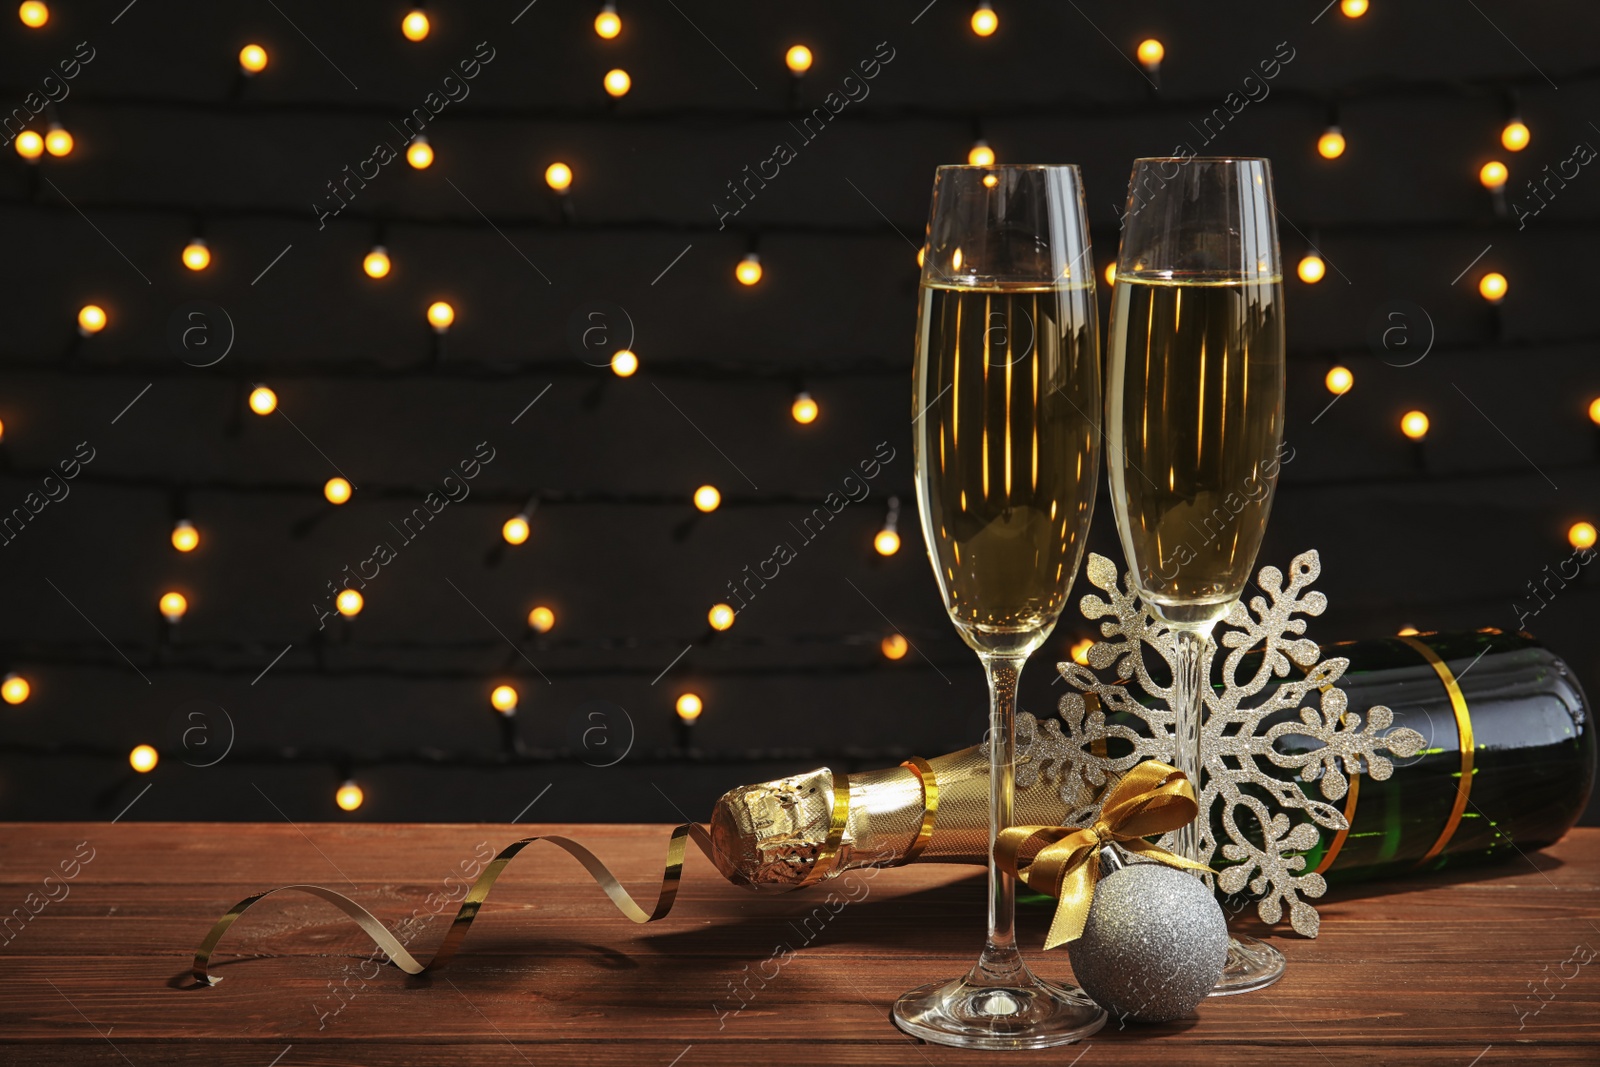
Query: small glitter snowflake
pixel 1330 741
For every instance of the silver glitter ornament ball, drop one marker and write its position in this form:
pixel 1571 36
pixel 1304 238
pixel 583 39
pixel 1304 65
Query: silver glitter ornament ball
pixel 1154 946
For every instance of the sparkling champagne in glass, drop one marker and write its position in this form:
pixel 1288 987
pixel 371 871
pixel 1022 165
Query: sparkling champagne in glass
pixel 1007 451
pixel 1194 421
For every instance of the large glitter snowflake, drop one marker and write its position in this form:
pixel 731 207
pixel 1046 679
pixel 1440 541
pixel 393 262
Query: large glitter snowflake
pixel 1326 741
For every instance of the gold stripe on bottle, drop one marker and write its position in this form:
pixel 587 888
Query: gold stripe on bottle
pixel 930 806
pixel 828 858
pixel 1349 821
pixel 1458 704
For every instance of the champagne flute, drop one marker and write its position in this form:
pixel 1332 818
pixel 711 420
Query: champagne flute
pixel 1194 414
pixel 1007 452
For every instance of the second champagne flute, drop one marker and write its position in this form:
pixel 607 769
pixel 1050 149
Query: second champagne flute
pixel 1194 414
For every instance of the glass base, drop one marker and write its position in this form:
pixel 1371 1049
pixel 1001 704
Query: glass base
pixel 977 1011
pixel 1252 964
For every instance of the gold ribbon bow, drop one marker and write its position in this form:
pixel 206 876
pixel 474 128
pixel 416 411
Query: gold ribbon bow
pixel 1153 798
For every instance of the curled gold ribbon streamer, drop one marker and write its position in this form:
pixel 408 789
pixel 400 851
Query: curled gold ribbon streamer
pixel 1466 742
pixel 1151 799
pixel 930 807
pixel 396 952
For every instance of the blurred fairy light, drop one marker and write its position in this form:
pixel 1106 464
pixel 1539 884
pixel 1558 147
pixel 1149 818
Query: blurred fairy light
pixel 720 616
pixel 252 59
pixel 980 154
pixel 29 145
pixel 1151 52
pixel 624 363
pixel 263 401
pixel 1353 9
pixel 1311 269
pixel 57 141
pixel 349 796
pixel 515 530
pixel 185 538
pixel 1080 650
pixel 1407 631
pixel 707 498
pixel 689 706
pixel 1414 424
pixel 174 606
pixel 440 316
pixel 608 23
pixel 143 759
pixel 749 269
pixel 798 59
pixel 894 646
pixel 15 688
pixel 887 541
pixel 504 699
pixel 1492 287
pixel 804 408
pixel 1493 174
pixel 1581 535
pixel 91 319
pixel 349 602
pixel 618 82
pixel 415 25
pixel 984 20
pixel 34 14
pixel 541 619
pixel 419 153
pixel 376 263
pixel 1339 380
pixel 1331 144
pixel 558 176
pixel 1515 136
pixel 196 254
pixel 336 490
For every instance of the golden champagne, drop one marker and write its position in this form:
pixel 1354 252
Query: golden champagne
pixel 1008 390
pixel 1195 417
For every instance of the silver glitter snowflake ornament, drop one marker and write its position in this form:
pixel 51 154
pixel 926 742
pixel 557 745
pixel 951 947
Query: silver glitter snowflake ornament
pixel 1320 741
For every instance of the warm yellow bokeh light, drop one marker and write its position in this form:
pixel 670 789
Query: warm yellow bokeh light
pixel 58 142
pixel 33 14
pixel 798 58
pixel 1515 136
pixel 804 409
pixel 1581 535
pixel 91 318
pixel 1353 9
pixel 263 401
pixel 376 263
pixel 1111 273
pixel 1408 631
pixel 1594 411
pixel 887 542
pixel 1492 287
pixel 618 82
pixel 749 269
pixel 1339 380
pixel 1151 52
pixel 1493 174
pixel 196 256
pixel 349 796
pixel 624 363
pixel 504 699
pixel 29 145
pixel 185 538
pixel 15 689
pixel 415 26
pixel 441 315
pixel 174 606
pixel 349 602
pixel 542 619
pixel 558 176
pixel 690 706
pixel 1331 144
pixel 143 759
pixel 608 23
pixel 980 154
pixel 1080 650
pixel 253 59
pixel 420 153
pixel 1311 269
pixel 706 498
pixel 1414 424
pixel 720 617
pixel 336 490
pixel 894 646
pixel 515 530
pixel 984 20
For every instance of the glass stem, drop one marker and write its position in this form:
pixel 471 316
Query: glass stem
pixel 1000 961
pixel 1189 682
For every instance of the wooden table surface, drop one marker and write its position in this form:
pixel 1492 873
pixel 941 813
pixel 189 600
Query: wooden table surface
pixel 1479 967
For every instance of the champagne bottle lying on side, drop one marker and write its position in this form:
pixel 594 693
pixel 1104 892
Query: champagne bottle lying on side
pixel 1530 761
